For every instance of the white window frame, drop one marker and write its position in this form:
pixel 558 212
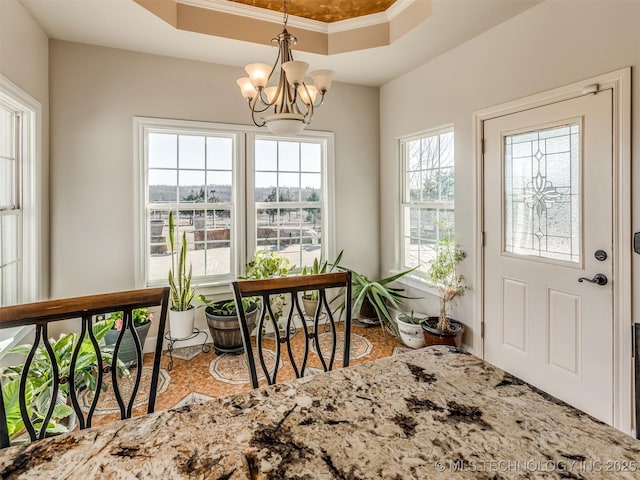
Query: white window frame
pixel 328 234
pixel 243 217
pixel 33 284
pixel 29 193
pixel 417 278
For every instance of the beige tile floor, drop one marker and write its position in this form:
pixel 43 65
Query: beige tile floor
pixel 191 379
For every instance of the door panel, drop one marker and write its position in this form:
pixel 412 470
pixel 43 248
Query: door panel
pixel 547 210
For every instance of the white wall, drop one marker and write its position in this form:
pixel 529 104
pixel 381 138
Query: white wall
pixel 24 59
pixel 555 43
pixel 96 92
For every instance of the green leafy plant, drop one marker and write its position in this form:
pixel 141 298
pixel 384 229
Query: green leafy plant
pixel 263 265
pixel 444 276
pixel 39 381
pixel 226 308
pixel 179 279
pixel 412 318
pixel 380 296
pixel 268 265
pixel 141 316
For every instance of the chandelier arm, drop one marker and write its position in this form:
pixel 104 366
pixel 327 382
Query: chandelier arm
pixel 255 122
pixel 322 92
pixel 253 105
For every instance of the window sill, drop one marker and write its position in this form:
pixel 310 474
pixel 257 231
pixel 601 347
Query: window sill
pixel 10 337
pixel 417 283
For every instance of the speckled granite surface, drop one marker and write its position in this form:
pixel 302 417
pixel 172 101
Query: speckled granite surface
pixel 428 414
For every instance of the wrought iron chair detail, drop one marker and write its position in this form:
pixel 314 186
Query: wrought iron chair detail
pixel 292 288
pixel 86 309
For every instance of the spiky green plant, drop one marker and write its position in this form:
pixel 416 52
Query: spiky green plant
pixel 179 279
pixel 319 267
pixel 381 296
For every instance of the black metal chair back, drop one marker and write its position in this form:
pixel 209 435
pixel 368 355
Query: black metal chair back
pixel 292 288
pixel 87 308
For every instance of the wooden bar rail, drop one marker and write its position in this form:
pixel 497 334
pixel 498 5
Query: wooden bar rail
pixel 86 308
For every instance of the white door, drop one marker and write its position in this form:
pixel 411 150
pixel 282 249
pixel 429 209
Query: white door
pixel 548 224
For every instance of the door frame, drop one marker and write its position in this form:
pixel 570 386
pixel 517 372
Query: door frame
pixel 620 82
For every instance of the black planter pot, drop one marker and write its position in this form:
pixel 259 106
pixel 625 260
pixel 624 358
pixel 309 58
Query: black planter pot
pixel 225 329
pixel 433 336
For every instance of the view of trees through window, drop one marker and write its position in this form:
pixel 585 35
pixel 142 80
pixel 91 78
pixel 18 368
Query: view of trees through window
pixel 428 195
pixel 288 193
pixel 192 174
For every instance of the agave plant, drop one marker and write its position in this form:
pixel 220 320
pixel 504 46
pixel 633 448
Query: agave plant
pixel 179 279
pixel 379 295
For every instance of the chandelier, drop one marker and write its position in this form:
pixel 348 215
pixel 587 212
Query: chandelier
pixel 286 105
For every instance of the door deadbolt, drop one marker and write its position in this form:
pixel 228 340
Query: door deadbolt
pixel 600 255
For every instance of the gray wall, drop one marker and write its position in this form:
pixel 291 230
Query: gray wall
pixel 555 43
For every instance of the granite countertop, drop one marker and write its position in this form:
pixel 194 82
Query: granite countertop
pixel 428 414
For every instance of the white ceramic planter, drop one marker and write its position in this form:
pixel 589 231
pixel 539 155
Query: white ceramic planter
pixel 181 323
pixel 411 334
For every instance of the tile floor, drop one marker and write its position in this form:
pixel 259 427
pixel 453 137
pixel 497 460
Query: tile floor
pixel 201 377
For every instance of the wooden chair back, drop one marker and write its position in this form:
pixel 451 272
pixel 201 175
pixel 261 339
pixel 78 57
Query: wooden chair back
pixel 292 288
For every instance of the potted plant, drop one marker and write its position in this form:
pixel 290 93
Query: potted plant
pixel 39 381
pixel 141 322
pixel 442 330
pixel 310 299
pixel 270 265
pixel 223 323
pixel 181 311
pixel 222 315
pixel 373 300
pixel 410 328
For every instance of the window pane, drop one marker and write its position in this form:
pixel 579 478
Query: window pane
pixel 266 155
pixel 7 183
pixel 289 187
pixel 219 153
pixel 163 150
pixel 219 186
pixel 311 157
pixel 162 186
pixel 542 193
pixel 311 185
pixel 191 150
pixel 9 260
pixel 289 157
pixel 7 159
pixel 191 186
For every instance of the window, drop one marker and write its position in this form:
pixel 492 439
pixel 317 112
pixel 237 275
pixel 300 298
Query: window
pixel 427 205
pixel 19 197
pixel 288 198
pixel 229 200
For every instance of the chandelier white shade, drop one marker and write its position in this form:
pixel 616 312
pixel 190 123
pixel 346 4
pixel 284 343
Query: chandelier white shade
pixel 281 99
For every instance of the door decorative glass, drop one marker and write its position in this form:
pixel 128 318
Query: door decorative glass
pixel 542 193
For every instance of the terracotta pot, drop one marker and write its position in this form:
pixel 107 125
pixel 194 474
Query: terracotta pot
pixel 368 315
pixel 433 336
pixel 310 306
